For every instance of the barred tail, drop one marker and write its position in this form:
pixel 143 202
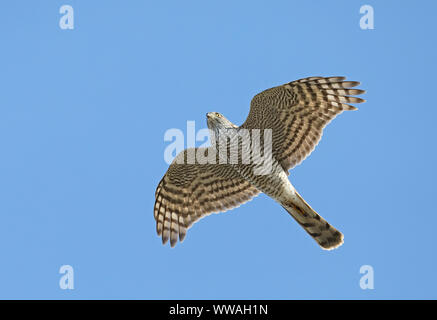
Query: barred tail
pixel 318 228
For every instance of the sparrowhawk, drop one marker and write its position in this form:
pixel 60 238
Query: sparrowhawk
pixel 296 113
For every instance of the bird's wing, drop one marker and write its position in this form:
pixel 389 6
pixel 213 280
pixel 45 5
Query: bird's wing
pixel 188 192
pixel 297 113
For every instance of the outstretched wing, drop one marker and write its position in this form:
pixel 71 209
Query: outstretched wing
pixel 188 192
pixel 297 113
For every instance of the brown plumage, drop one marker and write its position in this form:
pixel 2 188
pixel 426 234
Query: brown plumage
pixel 296 114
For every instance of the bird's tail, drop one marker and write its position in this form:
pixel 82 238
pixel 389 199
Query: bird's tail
pixel 318 228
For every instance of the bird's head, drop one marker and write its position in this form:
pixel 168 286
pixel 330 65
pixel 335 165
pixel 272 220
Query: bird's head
pixel 217 121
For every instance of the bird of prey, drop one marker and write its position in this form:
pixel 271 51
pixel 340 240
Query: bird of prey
pixel 296 113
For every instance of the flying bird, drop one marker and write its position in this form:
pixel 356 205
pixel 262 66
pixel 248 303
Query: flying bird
pixel 296 114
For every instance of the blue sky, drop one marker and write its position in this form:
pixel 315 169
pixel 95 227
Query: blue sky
pixel 83 114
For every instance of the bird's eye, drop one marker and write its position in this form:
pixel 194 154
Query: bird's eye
pixel 218 114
